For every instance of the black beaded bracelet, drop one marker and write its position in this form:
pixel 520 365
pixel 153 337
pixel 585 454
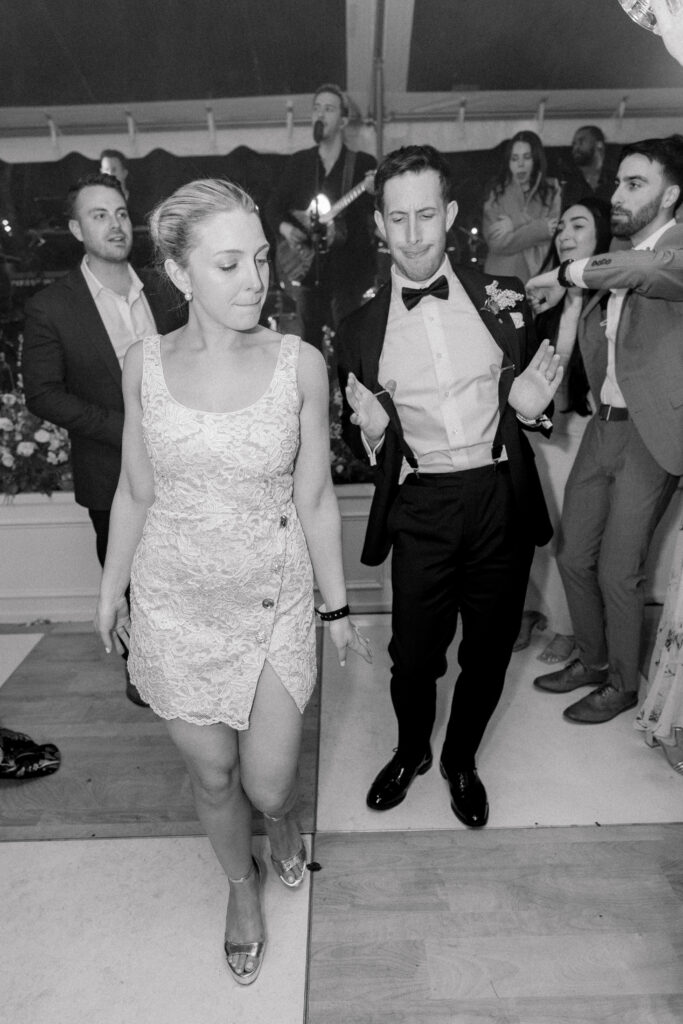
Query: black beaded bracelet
pixel 338 613
pixel 562 275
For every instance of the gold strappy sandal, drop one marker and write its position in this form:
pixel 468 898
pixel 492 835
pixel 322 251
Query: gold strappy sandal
pixel 295 865
pixel 252 950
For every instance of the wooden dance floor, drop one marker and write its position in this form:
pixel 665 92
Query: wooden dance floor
pixel 567 909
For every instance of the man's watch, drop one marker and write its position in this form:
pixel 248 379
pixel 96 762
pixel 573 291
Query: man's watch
pixel 562 278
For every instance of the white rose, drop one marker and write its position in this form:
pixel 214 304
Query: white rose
pixel 26 448
pixel 7 460
pixel 9 399
pixel 62 457
pixel 5 424
pixel 52 458
pixel 41 436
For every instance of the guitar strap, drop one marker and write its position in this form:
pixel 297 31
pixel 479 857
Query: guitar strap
pixel 347 173
pixel 346 186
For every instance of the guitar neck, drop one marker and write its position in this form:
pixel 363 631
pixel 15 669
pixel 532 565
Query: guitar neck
pixel 341 204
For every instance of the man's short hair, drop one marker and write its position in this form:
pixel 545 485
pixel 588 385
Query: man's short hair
pixel 667 152
pixel 414 159
pixel 114 154
pixel 595 133
pixel 107 180
pixel 336 91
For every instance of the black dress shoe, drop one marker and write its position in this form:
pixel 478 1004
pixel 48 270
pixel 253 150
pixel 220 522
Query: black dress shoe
pixel 393 782
pixel 468 797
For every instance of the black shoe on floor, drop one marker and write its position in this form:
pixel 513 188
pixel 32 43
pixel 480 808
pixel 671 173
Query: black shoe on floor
pixel 133 695
pixel 393 782
pixel 468 797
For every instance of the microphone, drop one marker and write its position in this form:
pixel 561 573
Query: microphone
pixel 318 130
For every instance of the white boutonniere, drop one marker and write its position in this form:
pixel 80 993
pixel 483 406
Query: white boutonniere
pixel 499 299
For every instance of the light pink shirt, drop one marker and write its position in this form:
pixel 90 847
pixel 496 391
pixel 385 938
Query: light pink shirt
pixel 445 364
pixel 126 318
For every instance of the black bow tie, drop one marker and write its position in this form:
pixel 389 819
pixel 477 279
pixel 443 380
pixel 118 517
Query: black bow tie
pixel 438 288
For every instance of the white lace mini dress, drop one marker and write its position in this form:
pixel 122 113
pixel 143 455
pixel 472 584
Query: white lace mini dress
pixel 221 581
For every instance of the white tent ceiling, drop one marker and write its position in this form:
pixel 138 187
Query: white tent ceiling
pixel 388 46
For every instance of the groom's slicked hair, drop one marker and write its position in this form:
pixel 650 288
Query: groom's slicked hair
pixel 412 159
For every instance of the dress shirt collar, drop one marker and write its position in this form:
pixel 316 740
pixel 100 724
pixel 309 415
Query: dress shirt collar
pixel 651 240
pixel 96 286
pixel 399 282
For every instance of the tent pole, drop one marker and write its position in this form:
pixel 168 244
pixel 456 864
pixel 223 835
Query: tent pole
pixel 378 78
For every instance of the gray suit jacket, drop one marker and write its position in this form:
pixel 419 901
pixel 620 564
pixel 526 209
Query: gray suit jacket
pixel 649 359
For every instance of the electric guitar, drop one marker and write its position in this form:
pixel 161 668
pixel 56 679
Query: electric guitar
pixel 294 261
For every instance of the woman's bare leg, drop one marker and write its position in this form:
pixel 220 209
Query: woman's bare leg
pixel 211 754
pixel 269 756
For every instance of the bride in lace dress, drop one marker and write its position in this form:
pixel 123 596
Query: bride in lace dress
pixel 224 509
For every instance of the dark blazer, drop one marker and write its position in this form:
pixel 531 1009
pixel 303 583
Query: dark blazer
pixel 71 376
pixel 649 339
pixel 359 342
pixel 547 325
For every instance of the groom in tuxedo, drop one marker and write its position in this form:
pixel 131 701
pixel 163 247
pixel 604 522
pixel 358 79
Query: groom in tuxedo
pixel 439 380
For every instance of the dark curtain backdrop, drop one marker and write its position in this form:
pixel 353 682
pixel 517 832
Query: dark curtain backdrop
pixel 32 194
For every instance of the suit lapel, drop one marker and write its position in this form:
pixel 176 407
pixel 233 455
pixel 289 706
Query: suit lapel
pixel 593 301
pixel 372 340
pixel 501 327
pixel 90 325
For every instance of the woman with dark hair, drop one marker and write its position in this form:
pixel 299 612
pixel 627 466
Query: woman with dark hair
pixel 583 230
pixel 521 212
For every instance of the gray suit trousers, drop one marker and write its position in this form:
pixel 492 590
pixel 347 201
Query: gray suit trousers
pixel 615 496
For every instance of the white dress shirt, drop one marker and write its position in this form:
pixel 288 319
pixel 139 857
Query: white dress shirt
pixel 127 318
pixel 610 393
pixel 445 364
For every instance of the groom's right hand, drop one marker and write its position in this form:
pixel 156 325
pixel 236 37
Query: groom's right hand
pixel 368 413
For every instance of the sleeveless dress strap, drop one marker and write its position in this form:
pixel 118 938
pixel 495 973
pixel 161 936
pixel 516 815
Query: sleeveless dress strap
pixel 152 376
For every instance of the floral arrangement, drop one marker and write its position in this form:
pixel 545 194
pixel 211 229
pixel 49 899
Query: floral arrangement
pixel 34 454
pixel 499 299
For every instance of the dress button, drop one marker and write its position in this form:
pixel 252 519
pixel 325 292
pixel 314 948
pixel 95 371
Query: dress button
pixel 283 520
pixel 260 637
pixel 267 602
pixel 276 567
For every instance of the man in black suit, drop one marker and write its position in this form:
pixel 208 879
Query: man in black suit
pixel 433 373
pixel 76 334
pixel 336 280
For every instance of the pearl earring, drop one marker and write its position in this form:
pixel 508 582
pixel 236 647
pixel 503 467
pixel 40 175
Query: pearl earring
pixel 188 296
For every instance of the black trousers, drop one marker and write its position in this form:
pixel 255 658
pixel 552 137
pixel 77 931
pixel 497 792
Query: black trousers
pixel 100 520
pixel 459 546
pixel 325 306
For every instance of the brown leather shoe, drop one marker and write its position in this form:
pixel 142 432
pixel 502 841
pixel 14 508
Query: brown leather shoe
pixel 573 675
pixel 601 705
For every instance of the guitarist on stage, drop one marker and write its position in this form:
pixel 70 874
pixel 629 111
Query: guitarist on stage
pixel 326 267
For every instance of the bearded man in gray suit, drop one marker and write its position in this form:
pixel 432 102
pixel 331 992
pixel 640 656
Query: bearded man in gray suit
pixel 631 456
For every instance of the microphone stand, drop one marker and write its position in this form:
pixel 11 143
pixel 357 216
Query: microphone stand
pixel 318 231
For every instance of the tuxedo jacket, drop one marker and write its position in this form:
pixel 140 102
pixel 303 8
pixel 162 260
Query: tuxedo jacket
pixel 359 342
pixel 649 352
pixel 72 377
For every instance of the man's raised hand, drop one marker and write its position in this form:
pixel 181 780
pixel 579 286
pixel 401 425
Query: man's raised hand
pixel 367 413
